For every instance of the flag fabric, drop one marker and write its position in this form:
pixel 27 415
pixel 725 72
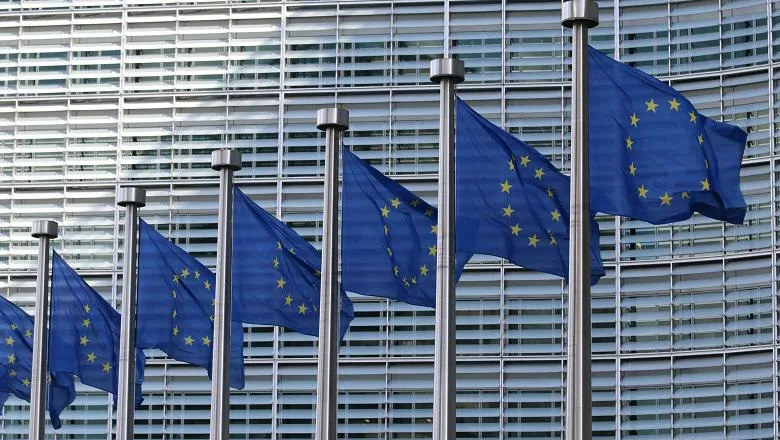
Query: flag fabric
pixel 16 349
pixel 276 273
pixel 176 305
pixel 512 201
pixel 84 340
pixel 653 157
pixel 388 237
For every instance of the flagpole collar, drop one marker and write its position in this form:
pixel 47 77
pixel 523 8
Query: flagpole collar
pixel 337 118
pixel 131 195
pixel 580 11
pixel 226 158
pixel 447 68
pixel 44 228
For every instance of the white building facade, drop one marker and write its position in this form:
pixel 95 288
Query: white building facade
pixel 95 94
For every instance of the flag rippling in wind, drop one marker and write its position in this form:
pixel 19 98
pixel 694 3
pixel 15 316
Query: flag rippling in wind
pixel 84 340
pixel 653 157
pixel 16 340
pixel 512 200
pixel 388 237
pixel 276 273
pixel 176 306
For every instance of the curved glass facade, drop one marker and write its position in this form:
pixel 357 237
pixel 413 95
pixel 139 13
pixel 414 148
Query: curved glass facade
pixel 95 94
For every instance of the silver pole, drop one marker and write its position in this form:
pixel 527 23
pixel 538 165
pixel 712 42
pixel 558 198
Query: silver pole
pixel 226 162
pixel 447 72
pixel 333 121
pixel 132 199
pixel 579 15
pixel 44 231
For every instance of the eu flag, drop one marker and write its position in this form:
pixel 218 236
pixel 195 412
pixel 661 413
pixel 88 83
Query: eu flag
pixel 512 200
pixel 84 339
pixel 16 339
pixel 276 273
pixel 176 305
pixel 388 237
pixel 653 157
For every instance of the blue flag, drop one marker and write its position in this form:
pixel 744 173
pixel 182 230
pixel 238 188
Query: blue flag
pixel 16 340
pixel 512 201
pixel 176 305
pixel 83 341
pixel 388 237
pixel 276 273
pixel 653 157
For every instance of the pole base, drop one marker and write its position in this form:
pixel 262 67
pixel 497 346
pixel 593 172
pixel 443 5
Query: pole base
pixel 447 68
pixel 579 11
pixel 225 158
pixel 130 195
pixel 44 228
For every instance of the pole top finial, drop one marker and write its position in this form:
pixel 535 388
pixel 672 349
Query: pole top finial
pixel 226 158
pixel 44 228
pixel 452 68
pixel 131 195
pixel 584 11
pixel 337 118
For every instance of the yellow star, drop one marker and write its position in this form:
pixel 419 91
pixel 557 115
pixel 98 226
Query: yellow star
pixel 387 230
pixel 396 270
pixel 9 340
pixel 428 212
pixel 197 275
pixel 533 240
pixel 185 273
pixel 12 373
pixel 11 358
pixel 106 367
pixel 91 357
pixel 632 169
pixel 432 250
pixel 553 241
pixel 176 331
pixel 556 215
pixel 685 195
pixel 173 293
pixel 511 163
pixel 692 116
pixel 28 333
pixel 434 229
pixel 629 143
pixel 288 300
pixel 396 202
pixel 424 270
pixel 705 185
pixel 207 285
pixel 84 340
pixel 206 340
pixel 674 105
pixel 415 202
pixel 634 120
pixel 14 326
pixel 86 322
pixel 87 308
pixel 539 173
pixel 406 283
pixel 642 192
pixel 414 280
pixel 508 211
pixel 292 251
pixel 26 382
pixel 516 229
pixel 176 278
pixel 278 245
pixel 188 340
pixel 389 251
pixel 317 273
pixel 385 211
pixel 666 199
pixel 525 160
pixel 276 263
pixel 302 309
pixel 280 283
pixel 700 138
pixel 651 105
pixel 174 313
pixel 505 186
pixel 550 193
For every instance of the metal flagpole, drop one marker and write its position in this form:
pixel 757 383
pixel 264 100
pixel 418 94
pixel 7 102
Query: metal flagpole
pixel 333 121
pixel 579 15
pixel 44 231
pixel 447 72
pixel 226 162
pixel 132 199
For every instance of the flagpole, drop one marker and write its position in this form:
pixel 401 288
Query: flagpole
pixel 333 121
pixel 226 162
pixel 447 72
pixel 579 15
pixel 131 199
pixel 44 231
